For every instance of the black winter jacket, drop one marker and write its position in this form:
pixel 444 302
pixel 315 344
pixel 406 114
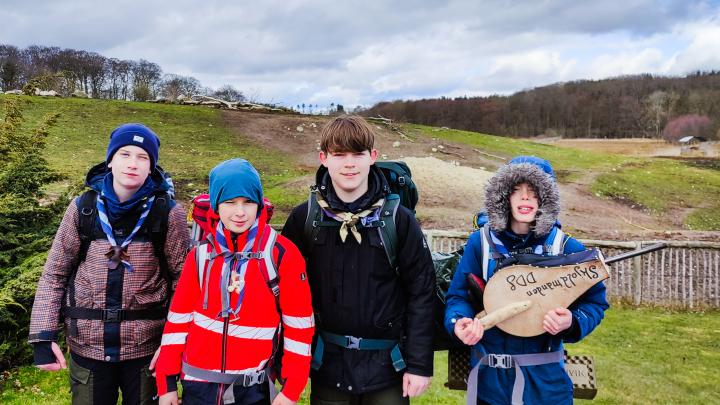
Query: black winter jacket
pixel 355 292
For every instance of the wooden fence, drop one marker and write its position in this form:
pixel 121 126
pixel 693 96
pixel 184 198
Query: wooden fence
pixel 685 274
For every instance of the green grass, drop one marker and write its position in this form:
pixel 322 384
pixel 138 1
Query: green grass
pixel 642 356
pixel 656 184
pixel 193 140
pixel 570 164
pixel 663 184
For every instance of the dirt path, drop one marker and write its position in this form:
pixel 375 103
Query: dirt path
pixel 451 177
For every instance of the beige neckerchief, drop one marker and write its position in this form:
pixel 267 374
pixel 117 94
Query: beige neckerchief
pixel 347 219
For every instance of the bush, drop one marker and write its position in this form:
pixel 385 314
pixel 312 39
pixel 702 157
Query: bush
pixel 26 225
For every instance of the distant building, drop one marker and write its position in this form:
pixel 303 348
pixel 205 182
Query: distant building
pixel 691 146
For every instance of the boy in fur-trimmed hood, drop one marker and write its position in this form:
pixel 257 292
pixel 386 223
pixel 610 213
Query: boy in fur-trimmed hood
pixel 522 204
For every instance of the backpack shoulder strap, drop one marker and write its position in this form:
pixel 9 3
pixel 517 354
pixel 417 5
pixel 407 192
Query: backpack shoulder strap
pixel 268 266
pixel 86 225
pixel 204 255
pixel 311 220
pixel 158 228
pixel 388 228
pixel 490 252
pixel 554 243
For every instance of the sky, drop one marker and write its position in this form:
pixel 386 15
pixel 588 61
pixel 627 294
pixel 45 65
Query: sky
pixel 357 53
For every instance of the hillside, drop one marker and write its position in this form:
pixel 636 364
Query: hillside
pixel 604 195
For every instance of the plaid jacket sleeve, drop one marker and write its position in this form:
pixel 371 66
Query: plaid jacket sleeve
pixel 44 321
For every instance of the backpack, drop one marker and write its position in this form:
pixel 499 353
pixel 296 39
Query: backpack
pixel 401 190
pixel 156 225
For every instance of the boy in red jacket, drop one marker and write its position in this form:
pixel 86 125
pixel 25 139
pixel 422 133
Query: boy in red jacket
pixel 235 294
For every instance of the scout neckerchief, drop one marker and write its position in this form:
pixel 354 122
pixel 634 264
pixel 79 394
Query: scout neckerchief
pixel 348 220
pixel 232 277
pixel 118 254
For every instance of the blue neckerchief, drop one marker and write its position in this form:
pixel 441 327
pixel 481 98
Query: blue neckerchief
pixel 119 252
pixel 233 262
pixel 116 209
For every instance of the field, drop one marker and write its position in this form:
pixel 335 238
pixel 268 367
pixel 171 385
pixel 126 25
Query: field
pixel 642 355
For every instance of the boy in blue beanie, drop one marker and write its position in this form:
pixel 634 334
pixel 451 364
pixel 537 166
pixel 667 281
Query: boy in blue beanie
pixel 523 203
pixel 113 264
pixel 236 293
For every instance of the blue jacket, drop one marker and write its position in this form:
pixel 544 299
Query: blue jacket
pixel 544 384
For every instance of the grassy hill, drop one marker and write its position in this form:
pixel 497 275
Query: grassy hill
pixel 195 139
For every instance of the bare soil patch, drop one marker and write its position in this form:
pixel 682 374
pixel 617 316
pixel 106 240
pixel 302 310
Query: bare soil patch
pixel 451 177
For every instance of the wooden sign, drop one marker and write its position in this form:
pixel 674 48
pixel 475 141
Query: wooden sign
pixel 547 288
pixel 581 370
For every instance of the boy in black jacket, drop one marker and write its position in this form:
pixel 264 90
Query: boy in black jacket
pixel 374 322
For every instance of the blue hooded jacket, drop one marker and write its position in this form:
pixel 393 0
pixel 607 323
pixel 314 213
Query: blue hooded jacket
pixel 544 384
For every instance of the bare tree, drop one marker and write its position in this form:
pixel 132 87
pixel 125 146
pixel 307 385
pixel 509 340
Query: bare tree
pixel 229 93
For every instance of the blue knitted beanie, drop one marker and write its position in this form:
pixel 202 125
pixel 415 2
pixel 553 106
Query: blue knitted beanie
pixel 235 178
pixel 137 135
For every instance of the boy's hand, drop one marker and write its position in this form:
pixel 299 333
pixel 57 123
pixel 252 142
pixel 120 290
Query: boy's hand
pixel 154 361
pixel 59 360
pixel 169 398
pixel 469 331
pixel 557 320
pixel 281 399
pixel 414 385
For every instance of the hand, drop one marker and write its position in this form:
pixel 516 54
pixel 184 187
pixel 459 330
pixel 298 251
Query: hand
pixel 169 398
pixel 469 331
pixel 557 320
pixel 59 360
pixel 281 399
pixel 414 385
pixel 154 361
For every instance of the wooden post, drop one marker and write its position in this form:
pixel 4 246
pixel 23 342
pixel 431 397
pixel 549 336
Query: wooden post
pixel 429 240
pixel 637 276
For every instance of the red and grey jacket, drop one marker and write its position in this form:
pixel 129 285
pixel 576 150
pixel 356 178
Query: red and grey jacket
pixel 197 338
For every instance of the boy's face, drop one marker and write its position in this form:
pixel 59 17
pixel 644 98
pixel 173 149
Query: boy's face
pixel 349 170
pixel 524 203
pixel 130 167
pixel 238 214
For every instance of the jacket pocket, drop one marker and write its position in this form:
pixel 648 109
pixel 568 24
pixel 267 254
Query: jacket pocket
pixel 81 384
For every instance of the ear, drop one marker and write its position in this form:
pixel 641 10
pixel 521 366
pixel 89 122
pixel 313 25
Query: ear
pixel 373 156
pixel 323 158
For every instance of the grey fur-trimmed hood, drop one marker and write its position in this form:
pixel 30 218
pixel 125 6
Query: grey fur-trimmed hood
pixel 527 169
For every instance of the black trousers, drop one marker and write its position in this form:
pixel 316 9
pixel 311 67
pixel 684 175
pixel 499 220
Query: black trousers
pixel 95 382
pixel 204 393
pixel 324 395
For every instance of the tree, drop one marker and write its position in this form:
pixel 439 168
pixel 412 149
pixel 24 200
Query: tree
pixel 229 93
pixel 173 86
pixel 688 125
pixel 26 226
pixel 146 76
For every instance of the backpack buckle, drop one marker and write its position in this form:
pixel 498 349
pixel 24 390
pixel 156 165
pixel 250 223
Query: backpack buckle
pixel 86 211
pixel 500 361
pixel 113 315
pixel 353 342
pixel 251 379
pixel 401 181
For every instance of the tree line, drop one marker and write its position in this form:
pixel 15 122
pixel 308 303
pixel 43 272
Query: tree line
pixel 623 107
pixel 69 70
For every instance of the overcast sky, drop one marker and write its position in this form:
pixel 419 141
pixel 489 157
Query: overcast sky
pixel 361 52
